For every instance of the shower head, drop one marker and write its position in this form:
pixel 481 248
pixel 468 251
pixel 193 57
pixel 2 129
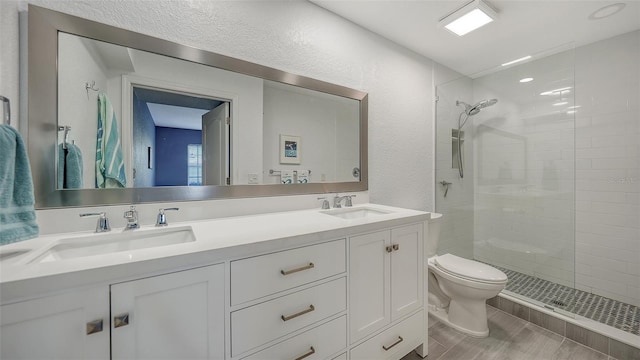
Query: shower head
pixel 472 110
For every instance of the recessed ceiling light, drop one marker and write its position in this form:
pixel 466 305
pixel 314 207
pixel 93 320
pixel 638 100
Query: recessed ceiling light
pixel 471 16
pixel 607 11
pixel 517 60
pixel 526 80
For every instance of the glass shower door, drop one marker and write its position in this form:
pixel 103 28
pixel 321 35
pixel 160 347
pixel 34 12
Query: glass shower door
pixel 515 206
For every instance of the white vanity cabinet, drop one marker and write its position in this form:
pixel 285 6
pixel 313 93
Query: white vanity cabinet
pixel 175 316
pixel 293 301
pixel 72 325
pixel 386 275
pixel 329 288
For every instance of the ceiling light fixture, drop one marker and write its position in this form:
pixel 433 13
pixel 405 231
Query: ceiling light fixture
pixel 561 103
pixel 526 80
pixel 517 60
pixel 471 16
pixel 557 91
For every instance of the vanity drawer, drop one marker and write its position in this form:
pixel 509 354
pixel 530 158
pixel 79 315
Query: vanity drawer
pixel 318 343
pixel 260 276
pixel 399 340
pixel 261 323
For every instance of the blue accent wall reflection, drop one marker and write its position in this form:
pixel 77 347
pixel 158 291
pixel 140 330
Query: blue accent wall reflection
pixel 171 154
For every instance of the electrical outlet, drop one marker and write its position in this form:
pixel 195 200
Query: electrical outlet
pixel 253 179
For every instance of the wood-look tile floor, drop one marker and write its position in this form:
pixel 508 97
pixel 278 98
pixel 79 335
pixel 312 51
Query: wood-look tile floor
pixel 510 338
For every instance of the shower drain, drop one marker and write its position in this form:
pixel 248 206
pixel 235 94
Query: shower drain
pixel 558 302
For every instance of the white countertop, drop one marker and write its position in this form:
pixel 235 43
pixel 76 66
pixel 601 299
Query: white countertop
pixel 216 240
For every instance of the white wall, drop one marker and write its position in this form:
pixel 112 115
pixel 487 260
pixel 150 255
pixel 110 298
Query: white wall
pixel 607 168
pixel 76 67
pixel 326 126
pixel 294 36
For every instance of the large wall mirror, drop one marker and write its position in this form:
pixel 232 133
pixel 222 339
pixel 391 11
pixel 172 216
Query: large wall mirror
pixel 119 117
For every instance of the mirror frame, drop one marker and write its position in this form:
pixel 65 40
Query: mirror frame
pixel 43 28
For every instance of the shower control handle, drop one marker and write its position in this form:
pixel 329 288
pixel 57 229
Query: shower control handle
pixel 446 186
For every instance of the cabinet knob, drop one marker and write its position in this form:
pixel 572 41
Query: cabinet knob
pixel 395 247
pixel 307 354
pixel 121 320
pixel 387 348
pixel 389 249
pixel 94 326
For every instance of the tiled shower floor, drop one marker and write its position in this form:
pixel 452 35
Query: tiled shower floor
pixel 614 313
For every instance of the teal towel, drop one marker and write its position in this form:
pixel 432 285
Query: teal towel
pixel 109 163
pixel 69 167
pixel 17 214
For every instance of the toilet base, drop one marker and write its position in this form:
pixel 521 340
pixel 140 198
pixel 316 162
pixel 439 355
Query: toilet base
pixel 443 316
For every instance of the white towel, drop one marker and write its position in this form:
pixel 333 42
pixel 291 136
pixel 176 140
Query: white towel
pixel 303 176
pixel 286 176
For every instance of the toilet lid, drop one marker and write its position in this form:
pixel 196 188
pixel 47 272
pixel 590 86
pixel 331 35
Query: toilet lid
pixel 469 269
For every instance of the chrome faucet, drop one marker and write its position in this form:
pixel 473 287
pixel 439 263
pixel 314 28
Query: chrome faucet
pixel 103 222
pixel 132 218
pixel 337 200
pixel 162 217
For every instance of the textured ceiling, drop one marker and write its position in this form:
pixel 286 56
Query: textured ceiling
pixel 534 27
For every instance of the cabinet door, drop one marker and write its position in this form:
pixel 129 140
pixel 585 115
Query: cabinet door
pixel 406 270
pixel 173 316
pixel 57 327
pixel 369 273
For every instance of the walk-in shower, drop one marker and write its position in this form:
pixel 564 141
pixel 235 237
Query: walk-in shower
pixel 544 185
pixel 468 112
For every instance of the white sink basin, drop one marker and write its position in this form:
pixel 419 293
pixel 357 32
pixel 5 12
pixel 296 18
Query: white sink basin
pixel 354 213
pixel 11 255
pixel 117 242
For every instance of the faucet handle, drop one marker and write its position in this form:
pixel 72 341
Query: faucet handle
pixel 162 218
pixel 347 201
pixel 325 203
pixel 103 222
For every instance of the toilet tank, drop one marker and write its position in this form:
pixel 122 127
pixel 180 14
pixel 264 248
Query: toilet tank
pixel 433 234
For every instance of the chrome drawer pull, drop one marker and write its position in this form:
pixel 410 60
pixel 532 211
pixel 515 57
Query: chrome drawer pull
pixel 121 320
pixel 307 354
pixel 287 318
pixel 394 344
pixel 94 326
pixel 306 267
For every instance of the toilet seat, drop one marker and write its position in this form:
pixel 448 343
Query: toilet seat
pixel 469 269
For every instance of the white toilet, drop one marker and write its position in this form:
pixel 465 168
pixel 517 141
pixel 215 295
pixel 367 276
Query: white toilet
pixel 459 288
